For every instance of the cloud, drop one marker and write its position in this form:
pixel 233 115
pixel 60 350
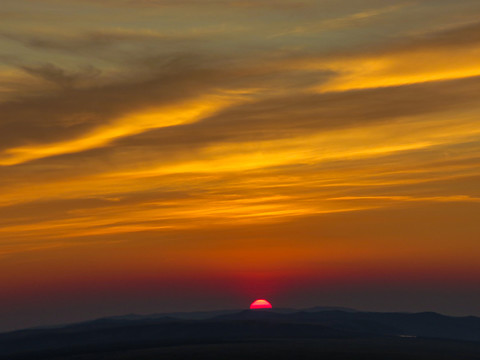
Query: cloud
pixel 74 111
pixel 457 36
pixel 300 115
pixel 188 76
pixel 354 20
pixel 60 77
pixel 159 118
pixel 103 44
pixel 405 61
pixel 279 4
pixel 127 125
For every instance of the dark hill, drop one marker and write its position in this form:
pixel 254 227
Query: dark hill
pixel 372 332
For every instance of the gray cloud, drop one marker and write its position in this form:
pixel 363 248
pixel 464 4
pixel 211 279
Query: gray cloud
pixel 279 4
pixel 300 114
pixel 274 118
pixel 73 111
pixel 458 36
pixel 103 41
pixel 61 77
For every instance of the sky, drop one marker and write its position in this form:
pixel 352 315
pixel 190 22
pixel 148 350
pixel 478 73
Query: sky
pixel 184 155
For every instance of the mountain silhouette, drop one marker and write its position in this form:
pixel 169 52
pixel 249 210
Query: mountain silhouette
pixel 311 332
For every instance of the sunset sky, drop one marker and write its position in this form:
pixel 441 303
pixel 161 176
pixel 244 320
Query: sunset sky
pixel 181 155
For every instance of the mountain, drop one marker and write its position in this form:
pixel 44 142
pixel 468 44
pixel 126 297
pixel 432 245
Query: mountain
pixel 309 331
pixel 200 315
pixel 427 324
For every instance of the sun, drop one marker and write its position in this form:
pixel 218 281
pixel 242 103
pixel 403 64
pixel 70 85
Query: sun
pixel 260 304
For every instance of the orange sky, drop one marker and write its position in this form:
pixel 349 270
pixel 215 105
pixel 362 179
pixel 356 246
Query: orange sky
pixel 180 155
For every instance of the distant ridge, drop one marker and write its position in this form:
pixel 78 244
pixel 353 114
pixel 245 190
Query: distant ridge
pixel 198 315
pixel 329 308
pixel 233 326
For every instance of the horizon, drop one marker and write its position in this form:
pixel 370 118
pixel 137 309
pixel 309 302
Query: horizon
pixel 214 312
pixel 162 155
pixel 255 333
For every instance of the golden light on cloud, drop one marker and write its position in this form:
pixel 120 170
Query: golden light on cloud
pixel 399 68
pixel 128 125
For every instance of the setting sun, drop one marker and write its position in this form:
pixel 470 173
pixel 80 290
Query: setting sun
pixel 260 304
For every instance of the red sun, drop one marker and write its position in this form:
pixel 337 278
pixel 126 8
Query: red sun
pixel 261 304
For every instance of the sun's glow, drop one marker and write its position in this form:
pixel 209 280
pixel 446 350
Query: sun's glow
pixel 260 304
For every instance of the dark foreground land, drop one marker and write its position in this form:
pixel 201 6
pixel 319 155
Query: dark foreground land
pixel 319 334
